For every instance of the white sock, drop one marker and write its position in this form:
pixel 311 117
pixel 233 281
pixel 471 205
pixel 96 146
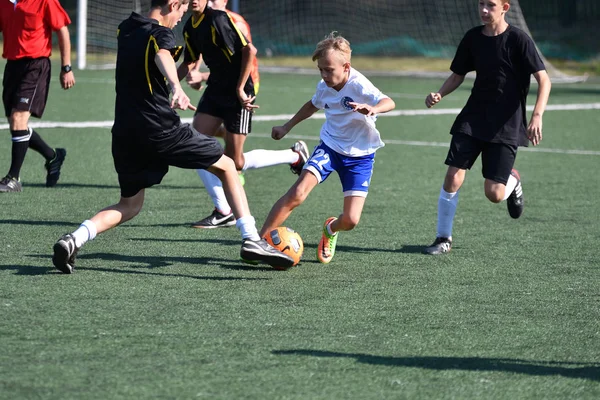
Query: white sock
pixel 511 184
pixel 214 187
pixel 446 209
pixel 247 226
pixel 329 229
pixel 86 231
pixel 266 158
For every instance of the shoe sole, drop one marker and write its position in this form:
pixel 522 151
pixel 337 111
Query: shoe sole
pixel 273 260
pixel 60 259
pixel 226 225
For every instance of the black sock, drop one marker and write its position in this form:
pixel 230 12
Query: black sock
pixel 37 143
pixel 19 149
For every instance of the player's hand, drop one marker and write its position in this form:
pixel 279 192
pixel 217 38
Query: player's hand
pixel 432 99
pixel 195 79
pixel 246 101
pixel 67 79
pixel 278 132
pixel 364 109
pixel 534 130
pixel 180 100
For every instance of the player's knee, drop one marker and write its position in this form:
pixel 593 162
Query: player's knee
pixel 494 196
pixel 296 196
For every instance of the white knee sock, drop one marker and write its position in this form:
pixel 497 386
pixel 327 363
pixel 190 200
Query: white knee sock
pixel 510 186
pixel 86 231
pixel 266 158
pixel 247 226
pixel 446 209
pixel 214 187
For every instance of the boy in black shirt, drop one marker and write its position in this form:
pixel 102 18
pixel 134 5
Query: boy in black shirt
pixel 493 122
pixel 148 136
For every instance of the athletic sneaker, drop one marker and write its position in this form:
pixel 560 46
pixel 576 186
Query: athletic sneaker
pixel 64 254
pixel 53 167
pixel 259 250
pixel 10 184
pixel 515 202
pixel 326 248
pixel 302 149
pixel 215 220
pixel 441 245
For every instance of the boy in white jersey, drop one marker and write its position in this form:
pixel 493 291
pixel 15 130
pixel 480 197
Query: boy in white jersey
pixel 349 140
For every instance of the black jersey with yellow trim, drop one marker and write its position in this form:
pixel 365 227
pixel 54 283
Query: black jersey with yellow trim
pixel 142 102
pixel 214 35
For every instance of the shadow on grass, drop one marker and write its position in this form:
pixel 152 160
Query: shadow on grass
pixel 99 186
pixel 528 367
pixel 35 222
pixel 32 270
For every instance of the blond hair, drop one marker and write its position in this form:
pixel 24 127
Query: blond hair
pixel 333 42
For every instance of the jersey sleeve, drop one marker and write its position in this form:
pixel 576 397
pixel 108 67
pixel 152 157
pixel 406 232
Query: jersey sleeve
pixel 56 17
pixel 317 99
pixel 233 39
pixel 531 58
pixel 463 60
pixel 165 39
pixel 369 93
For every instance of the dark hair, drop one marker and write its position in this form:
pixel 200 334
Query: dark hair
pixel 159 3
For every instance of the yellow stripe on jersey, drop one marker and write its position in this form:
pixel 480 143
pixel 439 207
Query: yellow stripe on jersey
pixel 118 31
pixel 196 23
pixel 226 55
pixel 152 39
pixel 186 38
pixel 240 34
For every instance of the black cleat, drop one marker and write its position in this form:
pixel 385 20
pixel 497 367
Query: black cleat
pixel 53 167
pixel 441 245
pixel 10 184
pixel 215 220
pixel 260 250
pixel 65 251
pixel 516 202
pixel 302 149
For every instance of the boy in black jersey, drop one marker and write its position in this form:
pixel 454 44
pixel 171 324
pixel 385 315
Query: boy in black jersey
pixel 228 99
pixel 148 136
pixel 493 122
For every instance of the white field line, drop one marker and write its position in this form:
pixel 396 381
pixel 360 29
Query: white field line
pixel 396 113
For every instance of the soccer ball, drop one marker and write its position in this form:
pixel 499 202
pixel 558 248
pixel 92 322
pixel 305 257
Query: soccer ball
pixel 287 241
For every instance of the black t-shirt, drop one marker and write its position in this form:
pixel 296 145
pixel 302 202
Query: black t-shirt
pixel 142 103
pixel 215 36
pixel 495 111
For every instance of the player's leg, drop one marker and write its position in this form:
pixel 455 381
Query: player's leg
pixel 463 152
pixel 502 181
pixel 295 196
pixel 66 248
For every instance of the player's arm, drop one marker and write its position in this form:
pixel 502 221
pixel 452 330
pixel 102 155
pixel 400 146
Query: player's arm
pixel 534 130
pixel 67 79
pixel 384 105
pixel 166 65
pixel 305 112
pixel 195 77
pixel 248 55
pixel 449 86
pixel 184 68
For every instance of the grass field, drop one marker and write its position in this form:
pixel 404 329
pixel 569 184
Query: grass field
pixel 159 310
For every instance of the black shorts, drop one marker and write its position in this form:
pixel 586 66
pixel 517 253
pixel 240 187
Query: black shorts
pixel 497 159
pixel 25 85
pixel 227 107
pixel 142 161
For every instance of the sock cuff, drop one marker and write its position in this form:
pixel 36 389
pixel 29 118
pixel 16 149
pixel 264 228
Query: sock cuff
pixel 248 219
pixel 20 135
pixel 91 227
pixel 447 195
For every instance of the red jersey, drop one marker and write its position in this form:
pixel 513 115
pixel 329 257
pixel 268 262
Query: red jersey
pixel 238 19
pixel 27 27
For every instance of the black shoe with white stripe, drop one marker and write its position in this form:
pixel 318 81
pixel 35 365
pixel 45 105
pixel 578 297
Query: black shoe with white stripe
pixel 65 252
pixel 516 202
pixel 441 245
pixel 215 220
pixel 302 149
pixel 260 250
pixel 53 167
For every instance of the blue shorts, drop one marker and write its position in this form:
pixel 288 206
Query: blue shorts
pixel 354 172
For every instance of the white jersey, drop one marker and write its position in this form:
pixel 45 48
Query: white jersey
pixel 345 131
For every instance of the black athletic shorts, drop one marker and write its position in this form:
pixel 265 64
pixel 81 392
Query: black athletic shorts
pixel 142 161
pixel 497 159
pixel 227 107
pixel 25 85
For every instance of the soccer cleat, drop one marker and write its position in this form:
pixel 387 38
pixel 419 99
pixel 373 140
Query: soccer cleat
pixel 326 248
pixel 10 184
pixel 441 245
pixel 242 178
pixel 302 149
pixel 254 251
pixel 215 220
pixel 515 202
pixel 65 251
pixel 53 167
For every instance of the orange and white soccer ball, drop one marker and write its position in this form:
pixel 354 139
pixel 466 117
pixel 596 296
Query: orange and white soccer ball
pixel 288 241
